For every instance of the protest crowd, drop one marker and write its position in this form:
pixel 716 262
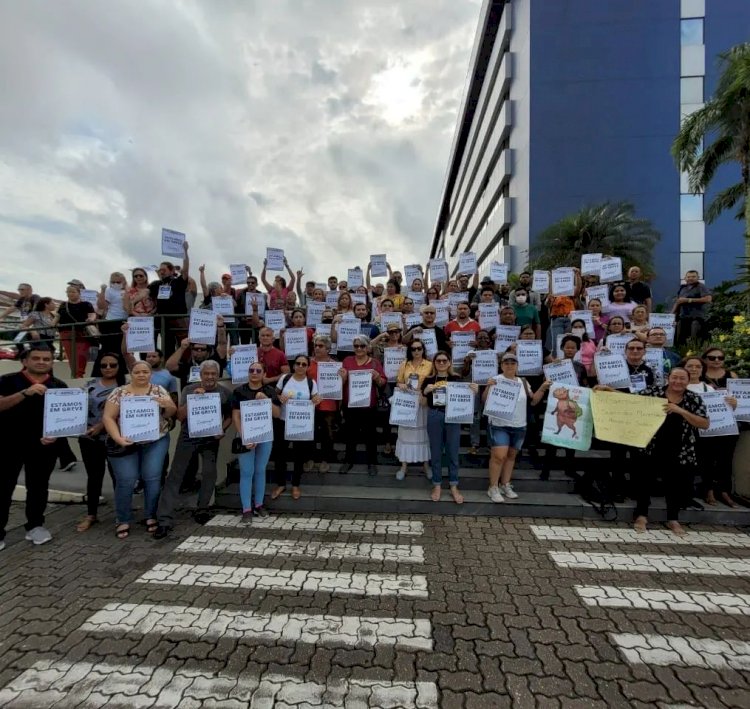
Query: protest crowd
pixel 400 360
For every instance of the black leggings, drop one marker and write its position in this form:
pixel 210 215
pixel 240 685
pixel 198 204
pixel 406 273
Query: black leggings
pixel 94 456
pixel 360 428
pixel 715 456
pixel 677 478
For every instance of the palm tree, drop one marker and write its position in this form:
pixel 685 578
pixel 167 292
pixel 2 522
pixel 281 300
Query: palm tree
pixel 611 229
pixel 725 119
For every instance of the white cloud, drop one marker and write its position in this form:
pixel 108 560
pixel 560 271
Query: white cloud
pixel 321 127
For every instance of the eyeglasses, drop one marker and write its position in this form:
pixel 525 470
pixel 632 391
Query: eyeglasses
pixel 442 361
pixel 255 370
pixel 417 349
pixel 360 347
pixel 300 364
pixel 658 334
pixel 715 358
pixel 105 365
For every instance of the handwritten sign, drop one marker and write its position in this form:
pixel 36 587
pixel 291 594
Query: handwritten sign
pixel 629 419
pixel 204 415
pixel 172 243
pixel 140 335
pixel 65 412
pixel 567 419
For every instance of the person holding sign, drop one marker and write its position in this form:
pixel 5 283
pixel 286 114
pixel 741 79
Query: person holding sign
pixel 360 420
pixel 444 437
pixel 169 293
pixel 599 319
pixel 481 369
pixel 23 444
pixel 185 362
pixel 195 444
pixel 587 350
pixel 253 457
pixel 560 307
pixel 428 323
pixel 526 313
pixel 506 433
pixel 298 386
pixel 130 460
pixel 109 373
pixel 326 412
pixel 412 444
pixel 137 300
pixel 297 320
pixel 278 292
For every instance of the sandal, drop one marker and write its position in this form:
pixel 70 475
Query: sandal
pixel 278 492
pixel 458 498
pixel 86 523
pixel 122 531
pixel 151 525
pixel 436 492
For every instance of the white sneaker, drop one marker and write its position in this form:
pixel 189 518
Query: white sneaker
pixel 509 492
pixel 400 474
pixel 38 535
pixel 494 494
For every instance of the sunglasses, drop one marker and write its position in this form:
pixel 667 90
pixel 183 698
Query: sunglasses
pixel 320 344
pixel 300 364
pixel 104 365
pixel 255 370
pixel 360 347
pixel 715 358
pixel 139 275
pixel 417 349
pixel 442 361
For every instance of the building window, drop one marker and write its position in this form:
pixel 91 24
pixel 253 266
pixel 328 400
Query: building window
pixel 691 90
pixel 691 32
pixel 691 207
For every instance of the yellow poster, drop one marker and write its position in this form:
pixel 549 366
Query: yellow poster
pixel 629 419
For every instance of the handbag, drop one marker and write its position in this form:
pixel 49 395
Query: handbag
pixel 115 450
pixel 237 446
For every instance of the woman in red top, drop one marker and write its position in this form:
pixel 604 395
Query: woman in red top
pixel 361 420
pixel 278 292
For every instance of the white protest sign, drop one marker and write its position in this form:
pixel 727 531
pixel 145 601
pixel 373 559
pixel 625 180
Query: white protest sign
pixel 417 297
pixel 299 424
pixel 238 272
pixel 256 421
pixel 562 372
pixel 325 329
pixel 462 343
pixel 721 421
pixel 393 358
pixel 139 419
pixel 489 315
pixel 530 356
pixel 204 415
pixel 584 315
pixel 459 403
pixel 412 319
pixel 223 305
pixel 540 281
pixel 483 366
pixel 378 265
pixel 257 299
pixel 140 335
pixel 274 259
pixel 610 269
pixel 360 388
pixel 429 340
pixel 359 298
pixel 354 277
pixel 172 243
pixel 330 383
pixel 242 357
pixel 65 413
pixel 612 370
pixel 601 293
pixel 442 312
pixel 740 390
pixel 346 331
pixel 404 408
pixel 654 358
pixel 438 270
pixel 387 319
pixel 454 299
pixel 617 343
pixel 498 272
pixel 332 298
pixel 202 329
pixel 505 336
pixel 502 399
pixel 467 263
pixel 563 282
pixel 295 341
pixel 411 273
pixel 666 321
pixel 314 313
pixel 590 264
pixel 89 296
pixel 276 320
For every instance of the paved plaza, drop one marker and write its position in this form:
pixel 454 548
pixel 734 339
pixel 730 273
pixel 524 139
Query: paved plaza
pixel 375 611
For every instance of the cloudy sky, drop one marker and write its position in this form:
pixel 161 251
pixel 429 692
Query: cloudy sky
pixel 319 126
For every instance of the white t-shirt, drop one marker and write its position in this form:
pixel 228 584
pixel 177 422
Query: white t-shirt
pixel 115 308
pixel 520 414
pixel 700 388
pixel 296 390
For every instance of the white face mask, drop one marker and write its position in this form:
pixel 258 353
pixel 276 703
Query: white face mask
pixel 578 331
pixel 115 286
pixel 521 299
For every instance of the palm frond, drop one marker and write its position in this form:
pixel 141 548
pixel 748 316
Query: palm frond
pixel 726 199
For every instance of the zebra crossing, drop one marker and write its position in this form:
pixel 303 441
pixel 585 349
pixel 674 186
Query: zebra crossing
pixel 136 683
pixel 655 649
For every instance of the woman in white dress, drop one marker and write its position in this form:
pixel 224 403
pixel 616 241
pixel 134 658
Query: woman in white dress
pixel 412 444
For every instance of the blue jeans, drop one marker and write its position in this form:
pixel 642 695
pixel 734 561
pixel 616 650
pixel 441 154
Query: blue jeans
pixel 506 436
pixel 443 435
pixel 145 462
pixel 557 326
pixel 253 474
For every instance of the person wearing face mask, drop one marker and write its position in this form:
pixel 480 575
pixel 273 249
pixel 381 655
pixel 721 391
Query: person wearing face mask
pixel 532 297
pixel 526 313
pixel 588 348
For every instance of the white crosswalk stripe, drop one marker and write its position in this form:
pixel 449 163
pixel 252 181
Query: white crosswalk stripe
pixel 321 524
pixel 630 536
pixel 85 684
pixel 669 650
pixel 211 624
pixel 657 563
pixel 399 553
pixel 665 599
pixel 408 586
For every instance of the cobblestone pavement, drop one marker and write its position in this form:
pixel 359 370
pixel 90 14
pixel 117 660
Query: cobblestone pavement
pixel 369 611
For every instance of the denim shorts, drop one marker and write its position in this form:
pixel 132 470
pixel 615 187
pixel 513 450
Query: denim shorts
pixel 505 436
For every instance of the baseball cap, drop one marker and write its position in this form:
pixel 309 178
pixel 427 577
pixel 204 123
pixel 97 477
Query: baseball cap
pixel 509 357
pixel 392 326
pixel 487 281
pixel 76 282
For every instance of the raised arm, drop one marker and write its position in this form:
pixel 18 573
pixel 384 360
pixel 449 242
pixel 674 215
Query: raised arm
pixel 185 273
pixel 300 273
pixel 367 277
pixel 263 280
pixel 173 363
pixel 204 285
pixel 129 357
pixel 221 337
pixel 292 279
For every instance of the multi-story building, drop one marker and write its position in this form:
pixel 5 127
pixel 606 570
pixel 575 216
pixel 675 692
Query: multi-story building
pixel 574 102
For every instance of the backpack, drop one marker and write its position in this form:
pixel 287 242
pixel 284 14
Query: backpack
pixel 596 490
pixel 287 377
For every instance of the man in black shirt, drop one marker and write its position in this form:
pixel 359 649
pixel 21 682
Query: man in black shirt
pixel 640 292
pixel 169 295
pixel 428 323
pixel 187 359
pixel 21 428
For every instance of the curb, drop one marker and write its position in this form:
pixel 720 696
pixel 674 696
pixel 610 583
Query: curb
pixel 55 496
